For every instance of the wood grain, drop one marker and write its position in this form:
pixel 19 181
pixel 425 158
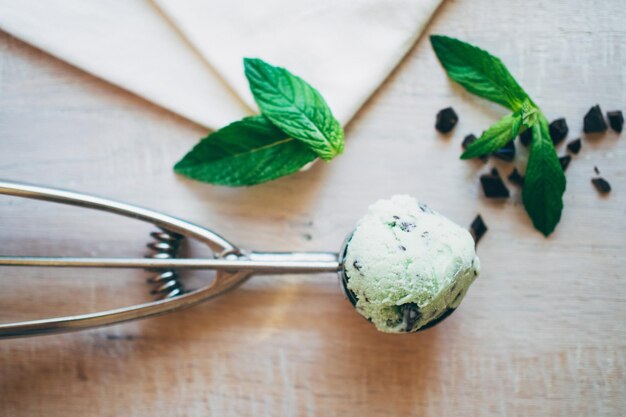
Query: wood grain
pixel 540 333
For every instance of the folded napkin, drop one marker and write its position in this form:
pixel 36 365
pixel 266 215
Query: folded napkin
pixel 186 55
pixel 128 43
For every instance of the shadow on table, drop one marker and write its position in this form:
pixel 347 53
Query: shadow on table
pixel 287 345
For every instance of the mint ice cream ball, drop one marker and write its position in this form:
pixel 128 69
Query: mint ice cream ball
pixel 408 267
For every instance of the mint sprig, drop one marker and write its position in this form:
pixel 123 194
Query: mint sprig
pixel 479 72
pixel 295 107
pixel 247 152
pixel 544 183
pixel 486 76
pixel 296 126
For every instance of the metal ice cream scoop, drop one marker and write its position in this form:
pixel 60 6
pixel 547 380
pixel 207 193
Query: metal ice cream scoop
pixel 232 264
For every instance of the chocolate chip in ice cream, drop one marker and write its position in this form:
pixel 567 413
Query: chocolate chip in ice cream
pixel 410 315
pixel 406 226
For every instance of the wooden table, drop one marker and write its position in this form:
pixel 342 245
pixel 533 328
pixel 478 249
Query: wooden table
pixel 542 331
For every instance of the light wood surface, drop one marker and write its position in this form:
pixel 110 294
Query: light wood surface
pixel 541 332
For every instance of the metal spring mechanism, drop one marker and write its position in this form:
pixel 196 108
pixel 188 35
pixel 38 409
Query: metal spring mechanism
pixel 165 246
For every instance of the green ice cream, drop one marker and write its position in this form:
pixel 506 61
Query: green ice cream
pixel 407 265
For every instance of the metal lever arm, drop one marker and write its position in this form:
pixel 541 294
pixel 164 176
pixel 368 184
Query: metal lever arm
pixel 293 263
pixel 233 265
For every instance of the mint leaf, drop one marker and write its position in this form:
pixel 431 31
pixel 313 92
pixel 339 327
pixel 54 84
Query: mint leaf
pixel 247 152
pixel 530 114
pixel 478 71
pixel 544 183
pixel 498 135
pixel 295 107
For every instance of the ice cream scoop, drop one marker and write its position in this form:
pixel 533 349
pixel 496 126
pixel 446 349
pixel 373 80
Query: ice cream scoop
pixel 404 267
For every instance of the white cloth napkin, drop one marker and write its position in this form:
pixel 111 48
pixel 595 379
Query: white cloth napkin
pixel 186 55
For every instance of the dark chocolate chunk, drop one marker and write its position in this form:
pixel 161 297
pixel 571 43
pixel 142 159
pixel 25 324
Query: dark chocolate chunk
pixel 402 248
pixel 478 228
pixel 469 139
pixel 616 120
pixel 410 315
pixel 357 265
pixel 558 130
pixel 446 120
pixel 574 146
pixel 594 121
pixel 526 137
pixel 516 178
pixel 493 185
pixel 564 161
pixel 506 153
pixel 601 185
pixel 596 170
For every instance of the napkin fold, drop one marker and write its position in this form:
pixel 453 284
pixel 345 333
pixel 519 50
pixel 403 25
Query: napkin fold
pixel 344 48
pixel 186 55
pixel 130 44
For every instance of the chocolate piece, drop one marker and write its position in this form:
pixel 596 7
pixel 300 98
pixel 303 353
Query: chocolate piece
pixel 601 185
pixel 565 160
pixel 596 170
pixel 410 315
pixel 493 185
pixel 616 120
pixel 407 226
pixel 594 121
pixel 574 146
pixel 516 178
pixel 526 137
pixel 468 140
pixel 478 228
pixel 558 130
pixel 506 153
pixel 446 120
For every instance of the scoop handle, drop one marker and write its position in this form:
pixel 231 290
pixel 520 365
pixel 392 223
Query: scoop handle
pixel 252 262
